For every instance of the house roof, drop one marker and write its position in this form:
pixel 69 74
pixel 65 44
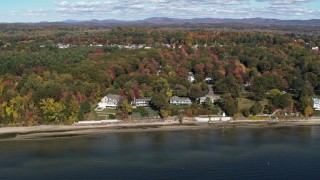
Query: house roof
pixel 316 100
pixel 204 98
pixel 143 99
pixel 176 98
pixel 113 96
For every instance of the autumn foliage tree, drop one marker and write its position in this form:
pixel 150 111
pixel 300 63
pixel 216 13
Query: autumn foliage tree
pixel 230 106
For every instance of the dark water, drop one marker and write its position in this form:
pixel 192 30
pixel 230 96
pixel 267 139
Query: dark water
pixel 279 153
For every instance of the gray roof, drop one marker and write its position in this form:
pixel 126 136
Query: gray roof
pixel 113 96
pixel 316 100
pixel 203 98
pixel 176 98
pixel 143 99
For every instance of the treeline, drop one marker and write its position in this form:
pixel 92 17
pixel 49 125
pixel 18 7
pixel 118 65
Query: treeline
pixel 31 38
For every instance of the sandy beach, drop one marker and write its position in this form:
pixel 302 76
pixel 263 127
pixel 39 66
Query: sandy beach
pixel 60 131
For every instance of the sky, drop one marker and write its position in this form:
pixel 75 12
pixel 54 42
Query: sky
pixel 59 10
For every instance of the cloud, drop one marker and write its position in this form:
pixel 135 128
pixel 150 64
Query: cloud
pixel 38 12
pixel 135 9
pixel 141 9
pixel 287 9
pixel 286 2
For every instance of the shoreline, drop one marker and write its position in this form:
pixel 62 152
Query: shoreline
pixel 60 131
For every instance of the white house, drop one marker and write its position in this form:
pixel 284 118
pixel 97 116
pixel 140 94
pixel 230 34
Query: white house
pixel 316 104
pixel 64 46
pixel 204 99
pixel 175 100
pixel 315 48
pixel 191 77
pixel 141 102
pixel 110 101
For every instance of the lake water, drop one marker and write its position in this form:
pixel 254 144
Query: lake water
pixel 270 153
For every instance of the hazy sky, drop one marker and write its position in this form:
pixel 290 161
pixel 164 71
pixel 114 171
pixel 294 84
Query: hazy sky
pixel 57 10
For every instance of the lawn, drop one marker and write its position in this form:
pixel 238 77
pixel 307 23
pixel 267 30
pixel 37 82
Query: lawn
pixel 246 103
pixel 152 114
pixel 99 115
pixel 179 106
pixel 316 113
pixel 110 111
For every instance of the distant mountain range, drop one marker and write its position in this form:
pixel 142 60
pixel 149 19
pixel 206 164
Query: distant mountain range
pixel 177 21
pixel 221 21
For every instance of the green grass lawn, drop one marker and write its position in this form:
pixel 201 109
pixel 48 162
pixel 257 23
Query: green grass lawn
pixel 136 115
pixel 110 111
pixel 99 115
pixel 152 114
pixel 316 113
pixel 179 106
pixel 246 103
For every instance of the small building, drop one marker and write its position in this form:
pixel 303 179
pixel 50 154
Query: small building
pixel 191 77
pixel 141 102
pixel 95 44
pixel 316 104
pixel 110 101
pixel 203 99
pixel 315 48
pixel 247 84
pixel 175 100
pixel 64 46
pixel 208 80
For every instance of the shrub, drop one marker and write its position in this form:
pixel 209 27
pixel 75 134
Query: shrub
pixel 246 112
pixel 112 116
pixel 144 112
pixel 256 108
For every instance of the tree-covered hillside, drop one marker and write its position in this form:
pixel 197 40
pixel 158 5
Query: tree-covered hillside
pixel 41 83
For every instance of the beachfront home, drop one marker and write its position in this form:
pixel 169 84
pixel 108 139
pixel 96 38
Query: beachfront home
pixel 175 100
pixel 203 99
pixel 141 102
pixel 316 104
pixel 110 101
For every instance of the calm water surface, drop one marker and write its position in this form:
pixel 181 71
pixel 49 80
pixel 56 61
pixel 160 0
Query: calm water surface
pixel 271 153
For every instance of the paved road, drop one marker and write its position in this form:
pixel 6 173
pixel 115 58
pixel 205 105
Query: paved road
pixel 211 93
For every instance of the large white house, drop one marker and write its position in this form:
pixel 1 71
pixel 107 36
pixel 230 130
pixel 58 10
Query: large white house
pixel 141 102
pixel 175 100
pixel 110 101
pixel 316 104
